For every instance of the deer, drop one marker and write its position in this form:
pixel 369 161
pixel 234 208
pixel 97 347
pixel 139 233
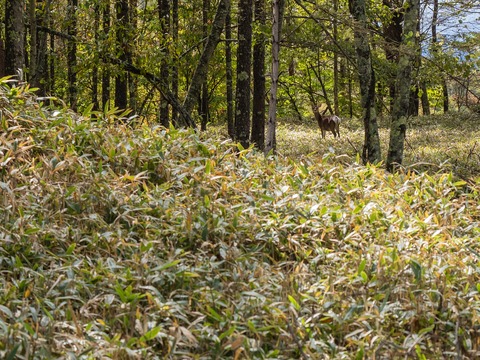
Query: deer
pixel 327 123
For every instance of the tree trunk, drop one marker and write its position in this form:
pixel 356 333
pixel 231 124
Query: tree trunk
pixel 277 18
pixel 96 24
pixel 402 88
pixel 164 14
pixel 106 73
pixel 371 147
pixel 122 33
pixel 32 69
pixel 72 54
pixel 335 61
pixel 174 78
pixel 446 101
pixel 258 110
pixel 39 16
pixel 132 83
pixel 229 77
pixel 244 52
pixel 14 37
pixel 425 101
pixel 204 93
pixel 200 73
pixel 435 51
pixel 392 33
pixel 52 62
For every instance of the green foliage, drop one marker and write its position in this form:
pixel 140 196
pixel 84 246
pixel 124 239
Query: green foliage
pixel 135 241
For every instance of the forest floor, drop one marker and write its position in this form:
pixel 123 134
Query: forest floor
pixel 436 143
pixel 121 242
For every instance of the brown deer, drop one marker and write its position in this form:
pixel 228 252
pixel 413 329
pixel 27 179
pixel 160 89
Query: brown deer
pixel 327 123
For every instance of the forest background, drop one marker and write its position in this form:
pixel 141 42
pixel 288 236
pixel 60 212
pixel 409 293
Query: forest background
pixel 127 233
pixel 355 59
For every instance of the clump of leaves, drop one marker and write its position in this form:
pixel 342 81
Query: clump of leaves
pixel 136 241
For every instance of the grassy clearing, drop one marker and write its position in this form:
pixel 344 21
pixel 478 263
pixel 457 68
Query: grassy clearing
pixel 146 243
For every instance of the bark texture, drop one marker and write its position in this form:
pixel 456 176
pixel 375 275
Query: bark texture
pixel 371 147
pixel 14 36
pixel 229 77
pixel 121 87
pixel 277 19
pixel 402 86
pixel 72 54
pixel 258 106
pixel 164 14
pixel 244 64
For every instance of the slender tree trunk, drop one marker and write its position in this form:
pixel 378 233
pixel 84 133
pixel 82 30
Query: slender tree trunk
pixel 242 93
pixel 174 66
pixel 39 16
pixel 132 83
pixel 203 106
pixel 96 24
pixel 121 87
pixel 229 77
pixel 277 19
pixel 371 147
pixel 52 62
pixel 414 105
pixel 32 69
pixel 435 51
pixel 72 54
pixel 446 100
pixel 425 101
pixel 335 60
pixel 258 110
pixel 2 58
pixel 106 73
pixel 392 33
pixel 200 73
pixel 164 14
pixel 402 88
pixel 14 37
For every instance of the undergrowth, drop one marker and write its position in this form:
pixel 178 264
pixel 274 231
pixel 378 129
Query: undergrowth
pixel 139 242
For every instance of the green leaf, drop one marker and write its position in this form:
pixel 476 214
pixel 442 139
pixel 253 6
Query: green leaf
pixel 294 302
pixel 213 314
pixel 426 330
pixel 417 270
pixel 151 334
pixel 360 353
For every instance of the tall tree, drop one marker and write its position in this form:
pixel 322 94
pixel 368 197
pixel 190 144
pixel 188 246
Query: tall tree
pixel 32 18
pixel 122 32
pixel 200 73
pixel 335 60
pixel 229 77
pixel 203 101
pixel 366 76
pixel 402 86
pixel 244 64
pixel 164 14
pixel 277 19
pixel 132 83
pixel 258 106
pixel 174 65
pixel 14 36
pixel 72 53
pixel 96 24
pixel 38 12
pixel 435 51
pixel 392 33
pixel 106 71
